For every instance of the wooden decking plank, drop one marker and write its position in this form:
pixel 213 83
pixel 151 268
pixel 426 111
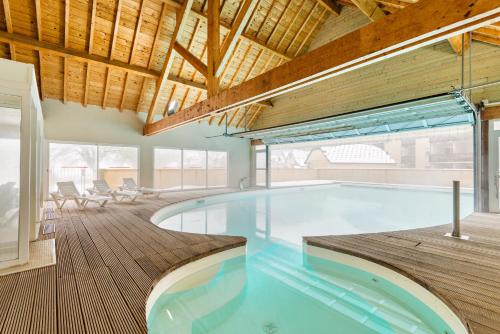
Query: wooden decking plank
pixel 93 309
pixel 466 274
pixel 44 317
pixel 19 315
pixel 7 288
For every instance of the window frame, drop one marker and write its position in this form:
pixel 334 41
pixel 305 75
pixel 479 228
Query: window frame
pixel 206 187
pixel 70 142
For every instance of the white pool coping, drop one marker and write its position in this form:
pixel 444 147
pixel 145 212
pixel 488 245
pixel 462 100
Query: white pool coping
pixel 181 273
pixel 403 282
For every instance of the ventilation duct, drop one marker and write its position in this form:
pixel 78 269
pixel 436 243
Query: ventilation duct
pixel 436 111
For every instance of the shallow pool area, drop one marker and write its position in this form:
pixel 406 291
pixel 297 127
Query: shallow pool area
pixel 276 288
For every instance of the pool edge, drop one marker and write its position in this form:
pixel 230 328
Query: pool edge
pixel 390 272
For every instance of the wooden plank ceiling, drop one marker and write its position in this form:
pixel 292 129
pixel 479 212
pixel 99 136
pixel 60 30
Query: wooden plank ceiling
pixel 135 55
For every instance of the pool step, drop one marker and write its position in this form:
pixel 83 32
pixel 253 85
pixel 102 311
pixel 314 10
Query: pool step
pixel 339 298
pixel 379 300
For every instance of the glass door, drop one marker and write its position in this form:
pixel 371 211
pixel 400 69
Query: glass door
pixel 10 172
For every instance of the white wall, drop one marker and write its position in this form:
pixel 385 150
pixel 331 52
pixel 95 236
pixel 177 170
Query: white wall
pixel 73 122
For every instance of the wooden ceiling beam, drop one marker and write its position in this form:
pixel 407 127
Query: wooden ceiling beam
pixel 87 84
pixel 213 44
pixel 486 39
pixel 311 31
pixel 181 19
pixel 395 34
pixel 38 14
pixel 137 31
pixel 370 8
pixel 157 35
pixel 92 27
pixel 456 43
pixel 297 34
pixel 234 34
pixel 192 59
pixel 124 92
pixel 10 29
pixel 225 28
pixel 331 5
pixel 106 88
pixel 275 27
pixel 116 26
pixel 66 45
pixel 54 49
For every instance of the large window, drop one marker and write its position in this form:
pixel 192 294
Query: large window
pixel 116 163
pixel 216 169
pixel 168 168
pixel 72 162
pixel 433 157
pixel 189 169
pixel 83 163
pixel 260 165
pixel 194 172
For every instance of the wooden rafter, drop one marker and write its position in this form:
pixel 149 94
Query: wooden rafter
pixel 394 35
pixel 106 86
pixel 239 24
pixel 75 55
pixel 294 18
pixel 38 13
pixel 92 27
pixel 87 84
pixel 137 31
pixel 370 8
pixel 457 45
pixel 10 29
pixel 297 34
pixel 278 21
pixel 116 26
pixel 124 92
pixel 182 16
pixel 213 40
pixel 308 36
pixel 331 5
pixel 157 35
pixel 67 6
pixel 192 59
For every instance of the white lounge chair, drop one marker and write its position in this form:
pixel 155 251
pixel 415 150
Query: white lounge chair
pixel 129 184
pixel 67 191
pixel 102 188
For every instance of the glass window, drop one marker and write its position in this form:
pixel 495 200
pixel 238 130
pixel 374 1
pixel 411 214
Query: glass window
pixel 72 162
pixel 10 150
pixel 260 165
pixel 194 173
pixel 116 163
pixel 433 157
pixel 168 168
pixel 217 169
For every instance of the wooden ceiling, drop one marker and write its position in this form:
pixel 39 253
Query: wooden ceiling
pixel 112 53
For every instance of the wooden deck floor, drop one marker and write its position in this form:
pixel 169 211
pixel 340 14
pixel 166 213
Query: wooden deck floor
pixel 107 261
pixel 465 274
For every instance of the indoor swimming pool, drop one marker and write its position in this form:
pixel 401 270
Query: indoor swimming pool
pixel 278 288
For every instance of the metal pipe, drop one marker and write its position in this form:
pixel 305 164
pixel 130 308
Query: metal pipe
pixel 456 209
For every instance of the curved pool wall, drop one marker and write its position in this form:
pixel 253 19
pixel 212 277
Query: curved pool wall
pixel 265 255
pixel 313 253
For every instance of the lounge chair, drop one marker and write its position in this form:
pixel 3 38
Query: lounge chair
pixel 130 185
pixel 67 191
pixel 102 188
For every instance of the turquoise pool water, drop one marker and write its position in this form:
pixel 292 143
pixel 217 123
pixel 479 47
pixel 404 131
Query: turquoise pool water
pixel 278 289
